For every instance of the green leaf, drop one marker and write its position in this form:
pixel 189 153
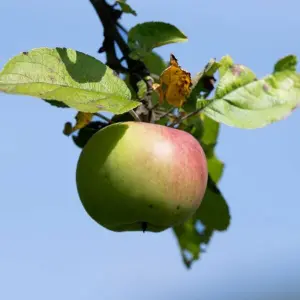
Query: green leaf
pixel 213 214
pixel 210 132
pixel 202 82
pixel 142 89
pixel 154 63
pixel 225 63
pixel 215 167
pixel 209 141
pixel 126 8
pixel 191 240
pixel 214 211
pixel 74 78
pixel 236 76
pixel 258 103
pixel 144 37
pixel 288 62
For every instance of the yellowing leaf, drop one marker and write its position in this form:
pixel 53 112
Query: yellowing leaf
pixel 82 119
pixel 175 84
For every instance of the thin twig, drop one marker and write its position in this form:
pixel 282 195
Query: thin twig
pixel 122 28
pixel 167 113
pixel 180 119
pixel 135 115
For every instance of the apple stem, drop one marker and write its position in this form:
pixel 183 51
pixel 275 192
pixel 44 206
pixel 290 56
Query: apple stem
pixel 144 226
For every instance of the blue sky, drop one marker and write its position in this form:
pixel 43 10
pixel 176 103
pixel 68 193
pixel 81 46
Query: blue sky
pixel 50 248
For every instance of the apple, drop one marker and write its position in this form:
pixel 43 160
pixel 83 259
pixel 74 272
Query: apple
pixel 139 176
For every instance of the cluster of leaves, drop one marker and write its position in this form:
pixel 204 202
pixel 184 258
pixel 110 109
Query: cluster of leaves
pixel 71 79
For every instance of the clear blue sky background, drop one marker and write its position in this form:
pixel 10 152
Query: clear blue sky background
pixel 50 249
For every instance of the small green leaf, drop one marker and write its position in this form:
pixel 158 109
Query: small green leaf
pixel 142 89
pixel 258 103
pixel 288 62
pixel 143 37
pixel 126 8
pixel 78 80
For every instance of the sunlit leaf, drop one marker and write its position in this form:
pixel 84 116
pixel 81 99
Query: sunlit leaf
pixel 76 79
pixel 257 103
pixel 236 76
pixel 225 63
pixel 144 37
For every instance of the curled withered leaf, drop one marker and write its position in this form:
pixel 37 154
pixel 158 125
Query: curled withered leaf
pixel 175 84
pixel 82 119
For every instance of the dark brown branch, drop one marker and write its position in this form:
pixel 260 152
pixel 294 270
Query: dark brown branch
pixel 137 70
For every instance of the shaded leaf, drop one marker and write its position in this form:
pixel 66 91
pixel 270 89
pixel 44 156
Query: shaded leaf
pixel 202 82
pixel 57 103
pixel 191 240
pixel 84 134
pixel 258 103
pixel 143 37
pixel 78 80
pixel 214 211
pixel 154 63
pixel 213 214
pixel 126 8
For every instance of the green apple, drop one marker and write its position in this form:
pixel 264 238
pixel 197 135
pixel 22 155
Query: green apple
pixel 140 176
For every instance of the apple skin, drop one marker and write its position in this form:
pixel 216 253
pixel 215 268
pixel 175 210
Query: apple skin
pixel 133 175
